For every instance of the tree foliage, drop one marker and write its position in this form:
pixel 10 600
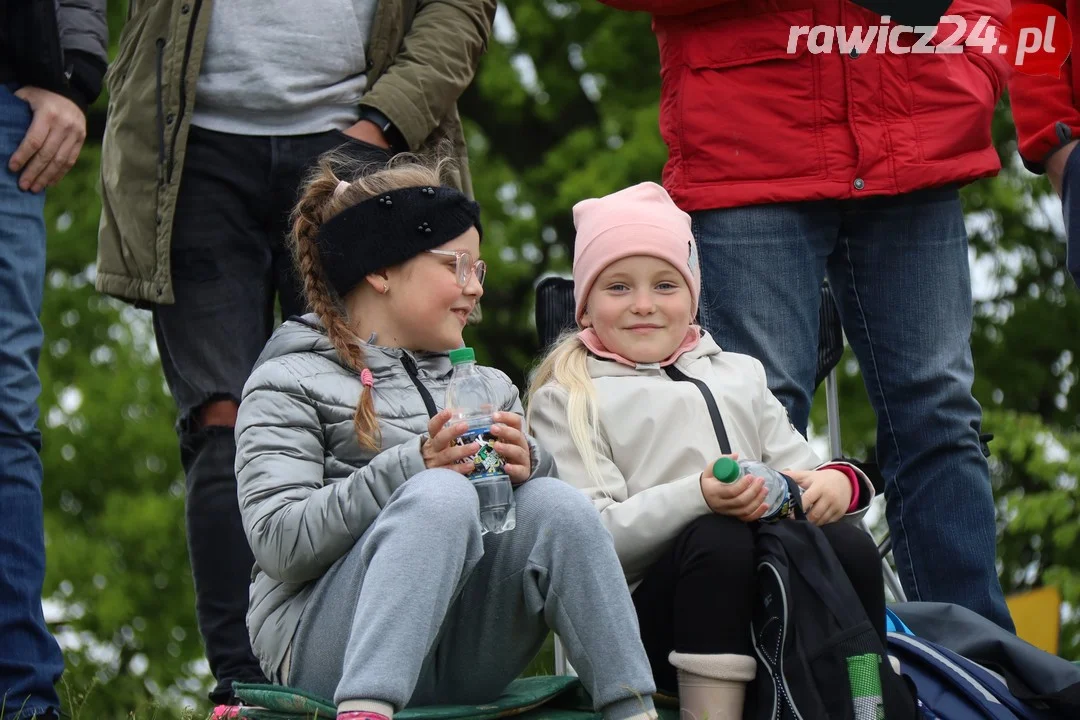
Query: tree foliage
pixel 564 107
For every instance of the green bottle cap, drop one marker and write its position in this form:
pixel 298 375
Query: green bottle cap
pixel 462 355
pixel 726 470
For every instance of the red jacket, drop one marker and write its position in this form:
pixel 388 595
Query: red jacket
pixel 747 122
pixel 1046 110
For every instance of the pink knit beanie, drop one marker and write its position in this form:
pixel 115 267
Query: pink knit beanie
pixel 640 220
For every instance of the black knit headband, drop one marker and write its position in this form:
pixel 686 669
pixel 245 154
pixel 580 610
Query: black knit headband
pixel 389 229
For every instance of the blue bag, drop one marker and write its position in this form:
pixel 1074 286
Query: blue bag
pixel 1035 677
pixel 951 687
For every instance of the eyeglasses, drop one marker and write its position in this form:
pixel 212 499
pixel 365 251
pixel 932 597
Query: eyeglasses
pixel 466 268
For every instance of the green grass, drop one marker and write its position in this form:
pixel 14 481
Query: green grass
pixel 544 662
pixel 84 697
pixel 95 700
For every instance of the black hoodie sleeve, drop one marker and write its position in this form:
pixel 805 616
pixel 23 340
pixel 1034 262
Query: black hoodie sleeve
pixel 84 77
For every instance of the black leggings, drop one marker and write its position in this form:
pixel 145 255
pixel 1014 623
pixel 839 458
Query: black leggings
pixel 698 598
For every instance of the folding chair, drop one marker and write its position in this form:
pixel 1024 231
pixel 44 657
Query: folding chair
pixel 555 315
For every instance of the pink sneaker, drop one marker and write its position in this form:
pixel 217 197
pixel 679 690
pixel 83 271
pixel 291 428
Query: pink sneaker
pixel 361 715
pixel 225 712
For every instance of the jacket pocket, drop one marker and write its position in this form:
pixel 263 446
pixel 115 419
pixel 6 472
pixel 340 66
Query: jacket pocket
pixel 748 108
pixel 953 99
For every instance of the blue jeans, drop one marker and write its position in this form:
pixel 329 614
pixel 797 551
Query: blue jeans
pixel 30 659
pixel 1070 207
pixel 898 267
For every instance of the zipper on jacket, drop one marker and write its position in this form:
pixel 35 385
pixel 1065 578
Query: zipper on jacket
pixel 414 375
pixel 714 411
pixel 159 97
pixel 183 86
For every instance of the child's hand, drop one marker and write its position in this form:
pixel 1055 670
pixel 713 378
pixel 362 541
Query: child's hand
pixel 512 446
pixel 438 449
pixel 826 496
pixel 742 499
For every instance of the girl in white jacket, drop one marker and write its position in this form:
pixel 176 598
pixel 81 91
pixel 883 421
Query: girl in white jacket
pixel 641 445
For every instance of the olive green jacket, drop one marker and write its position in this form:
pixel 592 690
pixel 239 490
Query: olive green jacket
pixel 422 56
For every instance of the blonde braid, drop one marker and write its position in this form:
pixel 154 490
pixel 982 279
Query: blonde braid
pixel 307 219
pixel 318 203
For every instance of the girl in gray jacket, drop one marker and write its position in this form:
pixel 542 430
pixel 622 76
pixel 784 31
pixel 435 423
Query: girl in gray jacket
pixel 641 446
pixel 373 582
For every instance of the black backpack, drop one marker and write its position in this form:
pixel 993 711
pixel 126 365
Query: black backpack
pixel 818 654
pixel 819 657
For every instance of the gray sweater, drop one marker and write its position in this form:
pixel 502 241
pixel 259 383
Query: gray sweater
pixel 283 67
pixel 307 489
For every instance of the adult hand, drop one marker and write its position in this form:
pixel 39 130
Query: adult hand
pixel 742 499
pixel 513 446
pixel 438 449
pixel 52 142
pixel 1055 165
pixel 369 132
pixel 826 494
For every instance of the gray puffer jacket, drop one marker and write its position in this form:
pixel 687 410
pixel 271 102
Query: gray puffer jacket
pixel 307 489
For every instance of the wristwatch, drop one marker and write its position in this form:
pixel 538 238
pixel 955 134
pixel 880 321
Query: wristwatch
pixel 391 133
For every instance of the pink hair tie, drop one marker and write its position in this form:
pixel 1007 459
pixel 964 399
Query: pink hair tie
pixel 366 378
pixel 342 186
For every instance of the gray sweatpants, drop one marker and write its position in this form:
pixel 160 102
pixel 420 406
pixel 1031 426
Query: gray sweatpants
pixel 424 610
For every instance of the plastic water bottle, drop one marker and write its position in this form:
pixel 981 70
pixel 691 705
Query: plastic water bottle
pixel 777 494
pixel 864 674
pixel 469 401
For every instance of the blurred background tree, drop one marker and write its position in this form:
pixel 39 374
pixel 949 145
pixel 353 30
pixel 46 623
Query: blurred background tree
pixel 564 107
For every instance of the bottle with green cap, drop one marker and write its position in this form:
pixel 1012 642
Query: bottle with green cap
pixel 470 400
pixel 777 494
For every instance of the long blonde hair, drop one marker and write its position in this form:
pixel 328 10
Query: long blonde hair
pixel 566 365
pixel 319 203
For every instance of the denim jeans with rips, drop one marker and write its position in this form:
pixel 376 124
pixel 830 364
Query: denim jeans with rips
pixel 230 267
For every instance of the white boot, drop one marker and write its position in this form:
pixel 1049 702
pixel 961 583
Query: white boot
pixel 712 687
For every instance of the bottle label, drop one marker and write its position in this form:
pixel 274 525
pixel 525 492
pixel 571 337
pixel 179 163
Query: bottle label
pixel 786 508
pixel 865 678
pixel 486 461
